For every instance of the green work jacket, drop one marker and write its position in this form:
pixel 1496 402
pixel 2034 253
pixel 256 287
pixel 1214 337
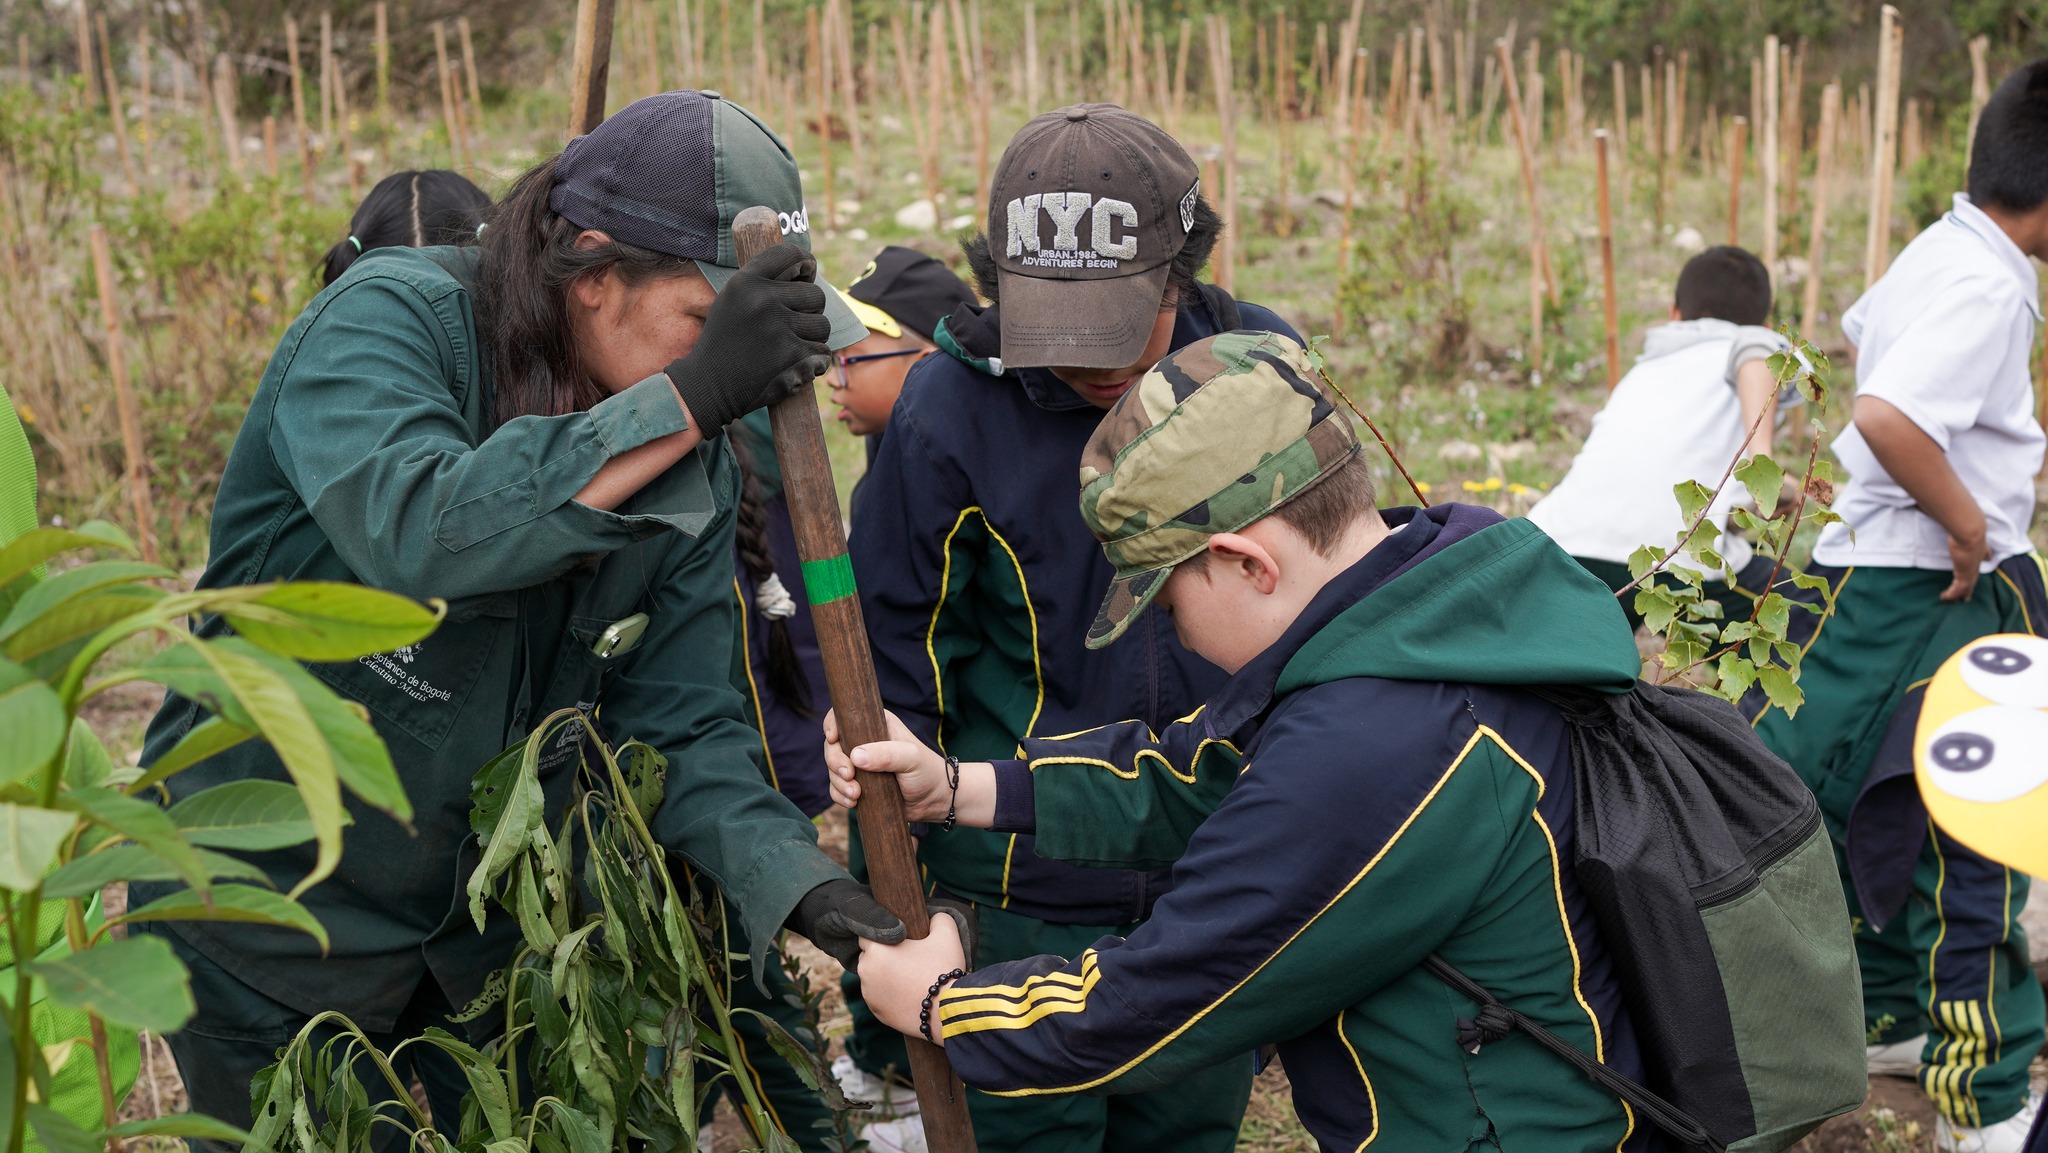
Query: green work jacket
pixel 367 455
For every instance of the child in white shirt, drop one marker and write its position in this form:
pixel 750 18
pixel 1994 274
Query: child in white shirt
pixel 1701 396
pixel 1932 554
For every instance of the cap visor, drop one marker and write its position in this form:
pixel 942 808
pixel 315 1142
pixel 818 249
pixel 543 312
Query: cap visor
pixel 847 329
pixel 1126 598
pixel 1079 323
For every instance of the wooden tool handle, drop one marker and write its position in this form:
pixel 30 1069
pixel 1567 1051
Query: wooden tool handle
pixel 856 697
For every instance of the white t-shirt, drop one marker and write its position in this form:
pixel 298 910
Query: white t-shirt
pixel 1675 417
pixel 1944 337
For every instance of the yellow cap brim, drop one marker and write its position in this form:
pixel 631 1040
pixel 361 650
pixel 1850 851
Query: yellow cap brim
pixel 874 318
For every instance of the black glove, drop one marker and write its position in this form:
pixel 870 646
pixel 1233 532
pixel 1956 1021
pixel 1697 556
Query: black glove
pixel 837 914
pixel 763 341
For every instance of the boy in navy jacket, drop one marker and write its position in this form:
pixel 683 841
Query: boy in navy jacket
pixel 978 580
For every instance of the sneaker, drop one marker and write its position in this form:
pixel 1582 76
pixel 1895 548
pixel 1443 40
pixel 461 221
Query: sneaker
pixel 907 1136
pixel 893 1098
pixel 1898 1059
pixel 2007 1136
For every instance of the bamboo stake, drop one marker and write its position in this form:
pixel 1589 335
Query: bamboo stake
pixel 593 56
pixel 270 153
pixel 726 79
pixel 1883 152
pixel 981 86
pixel 687 77
pixel 849 95
pixel 1539 251
pixel 224 105
pixel 291 48
pixel 383 45
pixel 906 77
pixel 1739 130
pixel 818 71
pixel 1221 75
pixel 448 118
pixel 115 112
pixel 934 114
pixel 1461 79
pixel 476 95
pixel 1180 78
pixel 1823 176
pixel 140 504
pixel 350 164
pixel 1621 110
pixel 21 60
pixel 1354 124
pixel 1283 96
pixel 1767 146
pixel 1318 72
pixel 327 81
pixel 146 77
pixel 1610 313
pixel 1980 93
pixel 1532 91
pixel 1031 57
pixel 85 68
pixel 1792 122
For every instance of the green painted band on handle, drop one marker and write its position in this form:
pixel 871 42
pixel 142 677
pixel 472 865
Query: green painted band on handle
pixel 828 580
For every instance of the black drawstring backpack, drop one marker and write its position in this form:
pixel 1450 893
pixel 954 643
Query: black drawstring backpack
pixel 1716 895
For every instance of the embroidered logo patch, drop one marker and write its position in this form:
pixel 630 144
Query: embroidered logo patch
pixel 1066 211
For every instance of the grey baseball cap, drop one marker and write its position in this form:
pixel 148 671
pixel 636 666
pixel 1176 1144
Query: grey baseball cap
pixel 1089 206
pixel 669 173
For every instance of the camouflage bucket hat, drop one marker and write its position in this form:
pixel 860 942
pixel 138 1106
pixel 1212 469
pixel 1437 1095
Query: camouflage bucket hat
pixel 1216 436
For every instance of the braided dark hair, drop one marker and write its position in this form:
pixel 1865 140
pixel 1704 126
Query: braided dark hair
pixel 786 676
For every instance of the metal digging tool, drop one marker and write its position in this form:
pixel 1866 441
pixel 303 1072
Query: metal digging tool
pixel 856 698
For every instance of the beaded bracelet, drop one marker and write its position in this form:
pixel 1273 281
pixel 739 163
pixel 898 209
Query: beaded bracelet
pixel 953 783
pixel 924 1013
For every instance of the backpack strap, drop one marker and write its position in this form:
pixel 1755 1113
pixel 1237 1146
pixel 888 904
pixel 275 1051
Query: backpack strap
pixel 1496 1020
pixel 1222 306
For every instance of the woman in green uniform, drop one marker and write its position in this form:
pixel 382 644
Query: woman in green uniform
pixel 530 429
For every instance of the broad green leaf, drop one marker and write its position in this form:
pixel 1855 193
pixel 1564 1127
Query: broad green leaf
pixel 1763 478
pixel 583 1134
pixel 29 840
pixel 143 823
pixel 248 815
pixel 1737 631
pixel 33 548
pixel 486 1086
pixel 1774 616
pixel 86 764
pixel 72 584
pixel 32 717
pixel 243 903
pixel 79 617
pixel 1759 651
pixel 1693 498
pixel 1680 654
pixel 135 982
pixel 1742 518
pixel 812 1069
pixel 58 1133
pixel 1707 610
pixel 182 1125
pixel 1810 581
pixel 1645 558
pixel 1782 689
pixel 86 875
pixel 227 680
pixel 1656 607
pixel 330 620
pixel 208 737
pixel 1735 675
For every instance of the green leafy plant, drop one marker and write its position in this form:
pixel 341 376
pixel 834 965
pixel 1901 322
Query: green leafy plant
pixel 618 1019
pixel 1702 646
pixel 72 821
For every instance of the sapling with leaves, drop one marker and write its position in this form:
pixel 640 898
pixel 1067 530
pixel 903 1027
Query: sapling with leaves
pixel 73 822
pixel 618 1021
pixel 1703 647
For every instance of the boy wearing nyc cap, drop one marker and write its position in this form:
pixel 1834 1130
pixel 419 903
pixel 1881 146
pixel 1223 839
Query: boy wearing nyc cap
pixel 1374 783
pixel 531 429
pixel 978 582
pixel 1933 552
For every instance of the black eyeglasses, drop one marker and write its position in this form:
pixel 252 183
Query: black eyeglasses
pixel 846 362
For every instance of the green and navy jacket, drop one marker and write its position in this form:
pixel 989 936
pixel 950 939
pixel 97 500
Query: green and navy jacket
pixel 369 455
pixel 1373 788
pixel 978 579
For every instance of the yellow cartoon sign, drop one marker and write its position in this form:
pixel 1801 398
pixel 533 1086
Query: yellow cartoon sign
pixel 1981 749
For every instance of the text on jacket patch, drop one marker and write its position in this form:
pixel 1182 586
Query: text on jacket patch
pixel 1066 209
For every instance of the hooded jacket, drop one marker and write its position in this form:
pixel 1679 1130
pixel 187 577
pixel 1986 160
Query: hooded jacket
pixel 978 579
pixel 1372 788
